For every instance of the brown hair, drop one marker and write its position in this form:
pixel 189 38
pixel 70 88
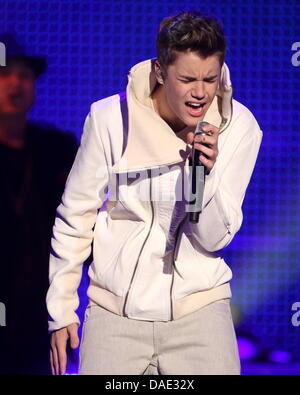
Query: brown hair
pixel 189 30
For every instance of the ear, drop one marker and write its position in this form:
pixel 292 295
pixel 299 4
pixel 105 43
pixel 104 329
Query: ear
pixel 158 73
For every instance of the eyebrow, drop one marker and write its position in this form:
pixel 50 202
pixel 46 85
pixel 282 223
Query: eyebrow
pixel 195 79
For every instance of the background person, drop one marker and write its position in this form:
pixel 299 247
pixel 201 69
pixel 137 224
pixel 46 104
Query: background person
pixel 34 164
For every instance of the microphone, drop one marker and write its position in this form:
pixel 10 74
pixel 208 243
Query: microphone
pixel 194 207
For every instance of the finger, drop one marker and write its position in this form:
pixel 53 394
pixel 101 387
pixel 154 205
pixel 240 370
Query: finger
pixel 52 363
pixel 206 139
pixel 62 356
pixel 55 360
pixel 205 150
pixel 211 128
pixel 206 162
pixel 73 335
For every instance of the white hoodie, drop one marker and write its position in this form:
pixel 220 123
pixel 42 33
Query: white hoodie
pixel 123 200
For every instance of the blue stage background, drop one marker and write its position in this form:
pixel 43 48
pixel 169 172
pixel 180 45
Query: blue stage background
pixel 91 45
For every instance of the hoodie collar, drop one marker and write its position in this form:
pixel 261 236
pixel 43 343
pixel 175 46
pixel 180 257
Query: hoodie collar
pixel 151 142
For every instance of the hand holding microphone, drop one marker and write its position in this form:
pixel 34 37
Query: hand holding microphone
pixel 202 160
pixel 206 141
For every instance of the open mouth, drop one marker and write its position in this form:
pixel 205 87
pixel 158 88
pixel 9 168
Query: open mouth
pixel 194 105
pixel 195 109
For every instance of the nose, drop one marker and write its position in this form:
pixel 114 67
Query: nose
pixel 198 91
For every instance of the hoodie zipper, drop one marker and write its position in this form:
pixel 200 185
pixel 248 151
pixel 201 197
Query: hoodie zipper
pixel 145 241
pixel 171 289
pixel 174 266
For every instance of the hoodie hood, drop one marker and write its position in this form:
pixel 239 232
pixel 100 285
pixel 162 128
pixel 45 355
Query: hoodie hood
pixel 151 142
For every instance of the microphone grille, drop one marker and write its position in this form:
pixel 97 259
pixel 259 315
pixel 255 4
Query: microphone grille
pixel 199 127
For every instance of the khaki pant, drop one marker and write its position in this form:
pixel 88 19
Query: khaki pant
pixel 201 343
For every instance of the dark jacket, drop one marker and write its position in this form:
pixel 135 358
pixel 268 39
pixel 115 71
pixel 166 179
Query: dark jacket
pixel 32 182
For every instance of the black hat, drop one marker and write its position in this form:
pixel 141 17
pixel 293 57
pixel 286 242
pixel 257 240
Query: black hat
pixel 15 51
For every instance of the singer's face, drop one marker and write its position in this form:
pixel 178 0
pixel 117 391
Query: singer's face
pixel 188 90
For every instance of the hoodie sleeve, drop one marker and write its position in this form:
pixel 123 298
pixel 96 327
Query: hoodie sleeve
pixel 225 188
pixel 73 227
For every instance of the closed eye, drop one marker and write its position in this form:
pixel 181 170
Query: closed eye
pixel 209 81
